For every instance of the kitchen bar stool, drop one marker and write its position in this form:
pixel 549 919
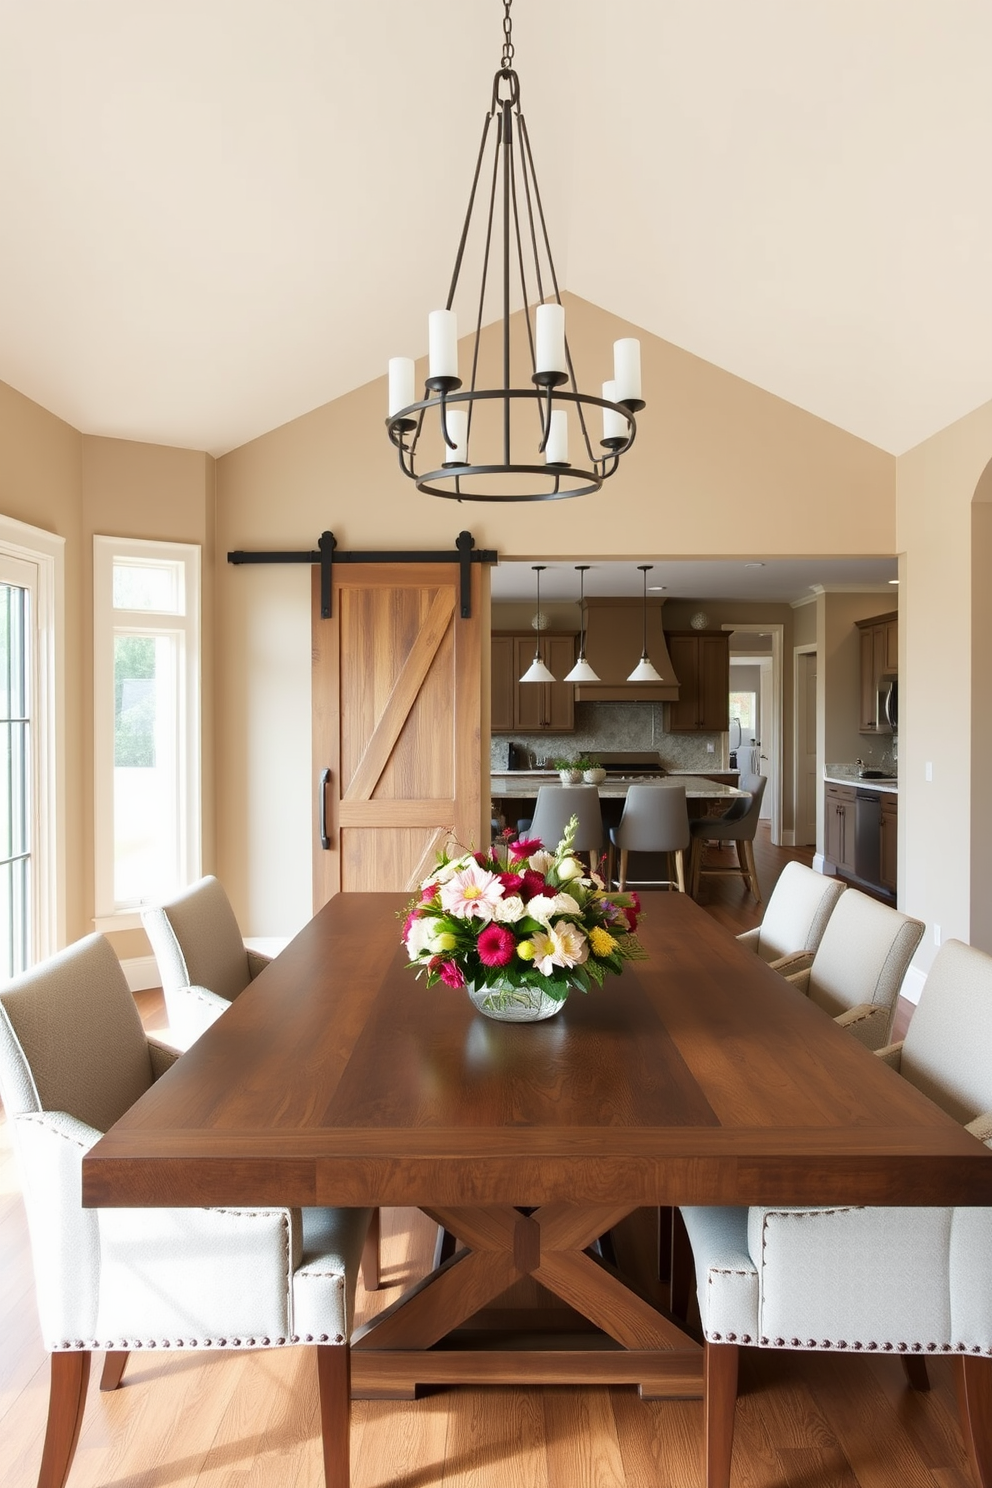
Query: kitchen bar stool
pixel 737 825
pixel 556 805
pixel 654 820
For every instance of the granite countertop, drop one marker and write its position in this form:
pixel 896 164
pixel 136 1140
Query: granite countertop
pixel 526 783
pixel 850 775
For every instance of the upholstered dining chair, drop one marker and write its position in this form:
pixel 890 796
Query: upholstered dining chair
pixel 202 959
pixel 654 820
pixel 73 1058
pixel 738 825
pixel 909 1281
pixel 556 805
pixel 204 964
pixel 795 918
pixel 859 966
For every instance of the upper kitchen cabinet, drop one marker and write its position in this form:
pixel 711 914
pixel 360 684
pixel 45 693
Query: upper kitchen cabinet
pixel 614 641
pixel 702 664
pixel 879 659
pixel 531 707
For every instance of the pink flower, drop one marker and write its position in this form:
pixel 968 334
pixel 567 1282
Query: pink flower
pixel 524 846
pixel 496 946
pixel 633 912
pixel 471 894
pixel 511 882
pixel 428 893
pixel 451 974
pixel 533 883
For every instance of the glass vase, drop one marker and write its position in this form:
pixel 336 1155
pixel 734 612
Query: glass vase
pixel 510 1002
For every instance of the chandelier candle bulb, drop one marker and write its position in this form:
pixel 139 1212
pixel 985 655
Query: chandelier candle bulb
pixel 401 386
pixel 550 355
pixel 556 449
pixel 614 424
pixel 457 421
pixel 443 343
pixel 627 369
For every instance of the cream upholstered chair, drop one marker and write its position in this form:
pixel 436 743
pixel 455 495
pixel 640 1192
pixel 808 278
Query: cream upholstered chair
pixel 202 959
pixel 738 825
pixel 859 966
pixel 796 916
pixel 556 805
pixel 73 1058
pixel 900 1280
pixel 654 820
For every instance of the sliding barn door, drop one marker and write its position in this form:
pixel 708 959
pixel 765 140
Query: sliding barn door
pixel 397 707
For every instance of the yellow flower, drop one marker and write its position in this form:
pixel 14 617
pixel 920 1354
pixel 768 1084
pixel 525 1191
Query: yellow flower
pixel 601 940
pixel 525 950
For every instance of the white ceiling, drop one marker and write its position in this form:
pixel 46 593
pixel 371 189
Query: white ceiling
pixel 780 580
pixel 219 214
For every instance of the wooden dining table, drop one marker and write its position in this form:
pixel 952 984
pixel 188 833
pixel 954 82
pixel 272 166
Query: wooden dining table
pixel 698 1076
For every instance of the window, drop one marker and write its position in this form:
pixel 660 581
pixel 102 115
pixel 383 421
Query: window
pixel 147 723
pixel 744 711
pixel 32 875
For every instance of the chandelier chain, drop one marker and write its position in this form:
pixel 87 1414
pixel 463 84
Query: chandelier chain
pixel 506 61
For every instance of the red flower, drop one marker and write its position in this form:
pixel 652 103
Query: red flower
pixel 428 893
pixel 451 974
pixel 533 883
pixel 524 846
pixel 511 881
pixel 496 946
pixel 408 922
pixel 633 912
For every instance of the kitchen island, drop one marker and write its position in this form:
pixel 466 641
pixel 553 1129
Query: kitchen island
pixel 525 784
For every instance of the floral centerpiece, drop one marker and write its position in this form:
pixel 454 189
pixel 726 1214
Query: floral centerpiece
pixel 519 926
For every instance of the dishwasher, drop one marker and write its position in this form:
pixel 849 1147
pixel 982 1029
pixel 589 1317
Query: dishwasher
pixel 868 836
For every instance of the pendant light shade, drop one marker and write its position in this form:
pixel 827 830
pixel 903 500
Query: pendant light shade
pixel 645 671
pixel 537 671
pixel 582 671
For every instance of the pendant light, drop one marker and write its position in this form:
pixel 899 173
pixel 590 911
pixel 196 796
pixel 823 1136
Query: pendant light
pixel 582 671
pixel 537 671
pixel 645 671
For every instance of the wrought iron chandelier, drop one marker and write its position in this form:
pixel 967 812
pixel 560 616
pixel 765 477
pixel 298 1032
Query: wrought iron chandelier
pixel 521 453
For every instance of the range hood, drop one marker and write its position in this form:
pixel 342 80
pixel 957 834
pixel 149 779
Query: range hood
pixel 614 639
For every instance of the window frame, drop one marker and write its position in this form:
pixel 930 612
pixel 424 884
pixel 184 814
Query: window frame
pixel 44 553
pixel 108 622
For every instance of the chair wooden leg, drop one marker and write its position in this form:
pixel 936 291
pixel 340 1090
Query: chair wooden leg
pixel 372 1253
pixel 695 867
pixel 67 1397
pixel 720 1400
pixel 624 855
pixel 915 1369
pixel 973 1377
pixel 113 1368
pixel 682 1272
pixel 680 869
pixel 334 1387
pixel 742 863
pixel 752 871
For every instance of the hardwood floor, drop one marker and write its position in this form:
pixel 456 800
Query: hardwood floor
pixel 250 1420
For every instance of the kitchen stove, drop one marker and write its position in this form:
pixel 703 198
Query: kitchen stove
pixel 632 765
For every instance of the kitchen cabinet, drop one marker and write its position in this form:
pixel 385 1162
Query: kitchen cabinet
pixel 839 812
pixel 889 841
pixel 702 664
pixel 614 640
pixel 879 642
pixel 531 707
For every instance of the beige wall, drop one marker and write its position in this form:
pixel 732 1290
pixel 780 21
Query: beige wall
pixel 941 722
pixel 804 624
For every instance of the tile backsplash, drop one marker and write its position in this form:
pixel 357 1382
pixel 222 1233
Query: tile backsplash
pixel 608 727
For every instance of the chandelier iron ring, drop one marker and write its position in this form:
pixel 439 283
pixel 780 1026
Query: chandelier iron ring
pixel 558 474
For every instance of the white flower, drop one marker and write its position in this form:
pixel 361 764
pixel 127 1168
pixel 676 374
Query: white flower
pixel 559 945
pixel 541 862
pixel 509 909
pixel 419 936
pixel 569 868
pixel 444 874
pixel 543 907
pixel 594 878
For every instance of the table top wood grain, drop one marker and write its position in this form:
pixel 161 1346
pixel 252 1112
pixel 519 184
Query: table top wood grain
pixel 699 1076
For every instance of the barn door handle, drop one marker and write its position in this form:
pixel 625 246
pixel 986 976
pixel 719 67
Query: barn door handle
pixel 325 841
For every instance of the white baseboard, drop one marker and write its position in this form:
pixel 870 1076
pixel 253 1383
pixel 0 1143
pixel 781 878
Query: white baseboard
pixel 912 984
pixel 141 973
pixel 820 865
pixel 789 838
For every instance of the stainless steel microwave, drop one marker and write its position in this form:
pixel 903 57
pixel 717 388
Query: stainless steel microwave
pixel 887 708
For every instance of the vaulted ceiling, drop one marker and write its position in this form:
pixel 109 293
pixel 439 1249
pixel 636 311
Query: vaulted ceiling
pixel 216 215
